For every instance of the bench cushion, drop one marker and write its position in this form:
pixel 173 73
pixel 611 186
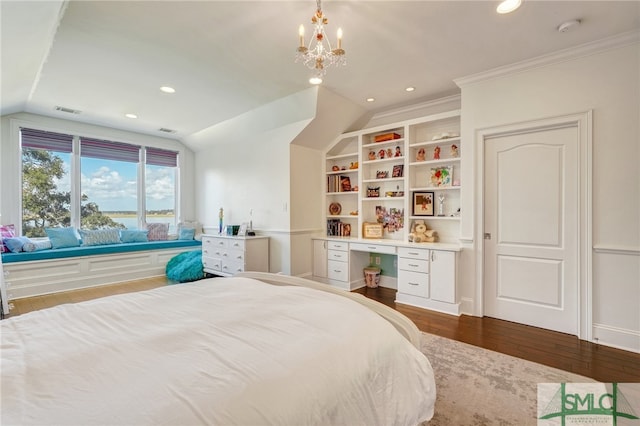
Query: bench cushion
pixel 95 250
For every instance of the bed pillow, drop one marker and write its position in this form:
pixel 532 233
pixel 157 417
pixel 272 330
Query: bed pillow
pixel 6 231
pixel 36 245
pixel 158 231
pixel 15 244
pixel 133 236
pixel 194 225
pixel 99 237
pixel 186 234
pixel 62 237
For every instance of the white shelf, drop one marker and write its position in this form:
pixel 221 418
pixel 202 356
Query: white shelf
pixel 431 162
pixel 435 188
pixel 384 143
pixel 435 142
pixel 341 156
pixel 396 179
pixel 342 193
pixel 341 172
pixel 341 216
pixel 383 198
pixel 384 160
pixel 435 217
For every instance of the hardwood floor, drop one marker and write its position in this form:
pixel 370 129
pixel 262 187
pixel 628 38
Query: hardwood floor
pixel 550 348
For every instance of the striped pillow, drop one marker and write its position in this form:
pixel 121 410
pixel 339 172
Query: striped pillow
pixel 158 231
pixel 6 231
pixel 99 237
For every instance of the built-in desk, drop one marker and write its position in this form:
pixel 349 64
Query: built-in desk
pixel 426 272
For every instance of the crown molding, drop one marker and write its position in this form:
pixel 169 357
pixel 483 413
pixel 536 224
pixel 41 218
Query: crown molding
pixel 414 107
pixel 564 55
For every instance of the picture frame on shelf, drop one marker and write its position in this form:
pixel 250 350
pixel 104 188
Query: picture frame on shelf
pixel 242 231
pixel 423 203
pixel 372 230
pixel 398 171
pixel 441 176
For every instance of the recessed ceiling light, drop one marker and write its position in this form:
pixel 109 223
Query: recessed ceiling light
pixel 167 89
pixel 410 89
pixel 131 115
pixel 508 6
pixel 371 99
pixel 566 26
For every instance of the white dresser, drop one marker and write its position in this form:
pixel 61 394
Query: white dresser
pixel 225 255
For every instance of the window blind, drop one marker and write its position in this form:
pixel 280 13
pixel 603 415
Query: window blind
pixel 162 157
pixel 109 150
pixel 41 139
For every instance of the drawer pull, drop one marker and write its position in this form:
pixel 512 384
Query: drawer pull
pixel 410 283
pixel 413 266
pixel 337 270
pixel 337 255
pixel 372 247
pixel 414 254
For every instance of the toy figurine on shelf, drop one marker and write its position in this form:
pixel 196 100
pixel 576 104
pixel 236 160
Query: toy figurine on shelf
pixel 372 155
pixel 436 153
pixel 454 151
pixel 398 152
pixel 421 156
pixel 381 154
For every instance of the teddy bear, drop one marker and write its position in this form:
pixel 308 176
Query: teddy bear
pixel 420 233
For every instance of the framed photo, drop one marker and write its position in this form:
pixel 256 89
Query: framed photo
pixel 423 203
pixel 441 176
pixel 398 171
pixel 372 230
pixel 242 231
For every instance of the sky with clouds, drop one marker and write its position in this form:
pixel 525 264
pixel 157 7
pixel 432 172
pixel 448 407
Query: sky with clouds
pixel 112 184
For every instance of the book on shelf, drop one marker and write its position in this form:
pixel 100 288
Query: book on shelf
pixel 337 228
pixel 338 183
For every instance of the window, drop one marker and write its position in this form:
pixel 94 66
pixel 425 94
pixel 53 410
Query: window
pixel 78 181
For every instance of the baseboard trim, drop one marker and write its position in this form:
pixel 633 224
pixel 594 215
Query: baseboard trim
pixel 621 338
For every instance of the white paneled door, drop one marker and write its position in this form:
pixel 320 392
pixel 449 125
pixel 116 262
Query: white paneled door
pixel 531 228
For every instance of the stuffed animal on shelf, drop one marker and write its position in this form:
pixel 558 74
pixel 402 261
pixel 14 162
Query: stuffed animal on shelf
pixel 420 233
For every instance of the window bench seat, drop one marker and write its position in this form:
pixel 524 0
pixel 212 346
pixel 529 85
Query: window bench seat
pixel 51 271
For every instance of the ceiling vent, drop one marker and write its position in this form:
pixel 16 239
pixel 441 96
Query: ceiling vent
pixel 165 130
pixel 68 110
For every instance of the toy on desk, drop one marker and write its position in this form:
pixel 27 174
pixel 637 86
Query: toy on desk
pixel 420 233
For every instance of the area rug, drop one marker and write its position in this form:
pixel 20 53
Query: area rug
pixel 478 387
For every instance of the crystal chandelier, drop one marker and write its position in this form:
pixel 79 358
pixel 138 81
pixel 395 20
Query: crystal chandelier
pixel 318 55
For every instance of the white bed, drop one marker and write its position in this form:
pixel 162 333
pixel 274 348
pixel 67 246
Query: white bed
pixel 222 351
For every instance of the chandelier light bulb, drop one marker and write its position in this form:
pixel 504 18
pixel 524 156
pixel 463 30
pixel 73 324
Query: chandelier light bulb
pixel 508 6
pixel 315 80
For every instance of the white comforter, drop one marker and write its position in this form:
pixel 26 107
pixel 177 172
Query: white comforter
pixel 230 351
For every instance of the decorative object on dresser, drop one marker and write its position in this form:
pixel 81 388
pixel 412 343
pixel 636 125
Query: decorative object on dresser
pixel 227 255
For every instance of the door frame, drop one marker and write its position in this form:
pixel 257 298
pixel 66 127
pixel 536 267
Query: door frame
pixel 583 123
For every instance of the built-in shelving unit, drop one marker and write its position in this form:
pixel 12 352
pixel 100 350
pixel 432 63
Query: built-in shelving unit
pixel 389 168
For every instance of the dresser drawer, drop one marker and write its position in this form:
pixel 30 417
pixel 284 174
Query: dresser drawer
pixel 211 263
pixel 340 256
pixel 414 283
pixel 414 265
pixel 235 245
pixel 232 267
pixel 374 248
pixel 413 253
pixel 234 256
pixel 337 270
pixel 338 245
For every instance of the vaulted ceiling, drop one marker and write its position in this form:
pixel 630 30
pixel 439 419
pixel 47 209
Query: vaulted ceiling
pixel 225 58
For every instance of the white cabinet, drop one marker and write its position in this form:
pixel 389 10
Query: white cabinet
pixel 226 255
pixel 320 258
pixel 443 276
pixel 413 271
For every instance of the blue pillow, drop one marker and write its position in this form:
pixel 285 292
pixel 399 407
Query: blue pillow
pixel 15 244
pixel 187 234
pixel 62 237
pixel 133 236
pixel 36 245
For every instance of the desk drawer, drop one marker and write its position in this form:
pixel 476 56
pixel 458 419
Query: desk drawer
pixel 414 283
pixel 414 265
pixel 338 245
pixel 340 256
pixel 338 270
pixel 413 253
pixel 374 248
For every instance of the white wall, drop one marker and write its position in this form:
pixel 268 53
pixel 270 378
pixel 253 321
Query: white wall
pixel 10 173
pixel 607 82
